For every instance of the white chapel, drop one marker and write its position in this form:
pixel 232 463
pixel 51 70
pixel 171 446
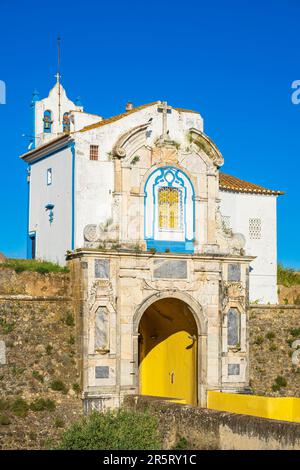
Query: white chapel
pixel 165 251
pixel 167 202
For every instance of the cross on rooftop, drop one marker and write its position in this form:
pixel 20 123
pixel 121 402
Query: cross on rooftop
pixel 164 109
pixel 58 77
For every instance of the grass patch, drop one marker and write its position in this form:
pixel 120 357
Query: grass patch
pixel 4 420
pixel 181 444
pixel 113 430
pixel 6 327
pixel 279 382
pixel 49 349
pixel 40 404
pixel 259 340
pixel 71 340
pixel 42 267
pixel 20 407
pixel 68 319
pixel 58 386
pixel 287 277
pixel 59 422
pixel 4 404
pixel 270 335
pixel 76 388
pixel 294 332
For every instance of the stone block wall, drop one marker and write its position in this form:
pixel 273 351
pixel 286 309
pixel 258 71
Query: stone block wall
pixel 204 429
pixel 38 347
pixel 273 331
pixel 33 284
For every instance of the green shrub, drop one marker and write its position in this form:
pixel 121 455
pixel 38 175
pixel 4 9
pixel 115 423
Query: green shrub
pixel 4 420
pixel 270 335
pixel 42 267
pixel 58 386
pixel 153 250
pixel 20 407
pixel 113 430
pixel 273 347
pixel 37 376
pixel 287 277
pixel 40 404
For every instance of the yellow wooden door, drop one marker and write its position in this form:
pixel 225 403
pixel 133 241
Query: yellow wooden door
pixel 169 369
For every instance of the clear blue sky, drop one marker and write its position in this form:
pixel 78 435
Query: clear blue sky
pixel 234 61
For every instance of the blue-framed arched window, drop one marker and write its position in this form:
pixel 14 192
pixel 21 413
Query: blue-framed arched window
pixel 48 121
pixel 169 211
pixel 66 122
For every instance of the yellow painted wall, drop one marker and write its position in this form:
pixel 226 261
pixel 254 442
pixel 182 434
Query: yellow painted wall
pixel 168 355
pixel 281 408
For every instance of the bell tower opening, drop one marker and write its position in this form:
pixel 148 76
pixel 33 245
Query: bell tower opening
pixel 168 351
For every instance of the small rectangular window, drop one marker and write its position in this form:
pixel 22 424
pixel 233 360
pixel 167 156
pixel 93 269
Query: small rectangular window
pixel 255 229
pixel 49 176
pixel 94 152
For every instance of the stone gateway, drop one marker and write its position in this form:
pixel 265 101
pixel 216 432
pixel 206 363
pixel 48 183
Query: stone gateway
pixel 164 249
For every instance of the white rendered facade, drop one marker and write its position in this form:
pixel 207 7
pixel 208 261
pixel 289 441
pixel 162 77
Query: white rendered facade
pixel 254 215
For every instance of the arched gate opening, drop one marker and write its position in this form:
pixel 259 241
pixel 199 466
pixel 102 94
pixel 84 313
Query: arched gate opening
pixel 168 351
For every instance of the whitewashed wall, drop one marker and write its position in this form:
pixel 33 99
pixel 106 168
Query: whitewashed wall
pixel 81 119
pixel 106 136
pixel 94 182
pixel 52 240
pixel 240 207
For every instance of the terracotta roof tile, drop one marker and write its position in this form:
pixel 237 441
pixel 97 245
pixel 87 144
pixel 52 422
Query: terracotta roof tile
pixel 117 117
pixel 182 110
pixel 231 183
pixel 127 113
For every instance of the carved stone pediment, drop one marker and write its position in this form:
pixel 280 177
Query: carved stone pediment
pixel 130 141
pixel 205 144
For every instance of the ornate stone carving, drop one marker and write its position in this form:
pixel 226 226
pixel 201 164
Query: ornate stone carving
pixel 234 291
pixel 91 233
pixel 229 242
pixel 95 235
pixel 119 152
pixel 164 155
